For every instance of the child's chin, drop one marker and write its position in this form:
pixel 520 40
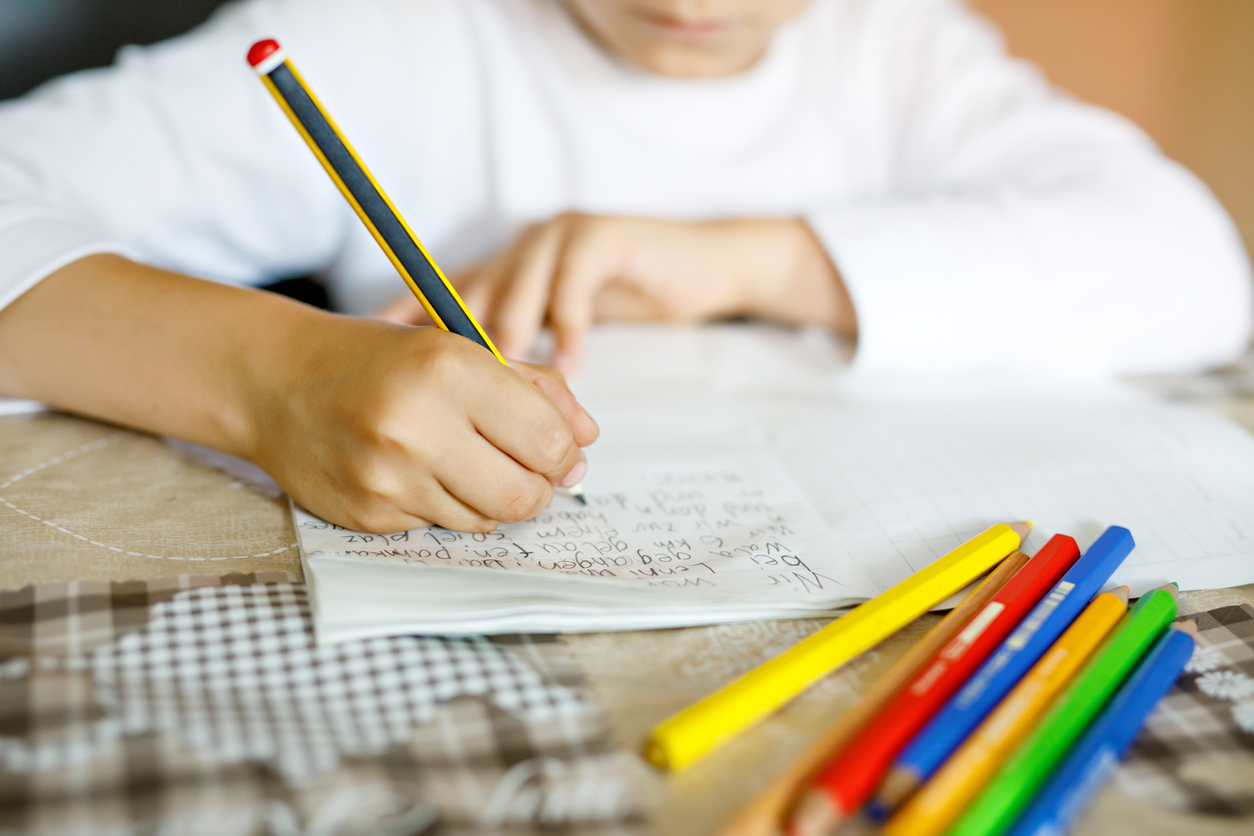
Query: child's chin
pixel 692 59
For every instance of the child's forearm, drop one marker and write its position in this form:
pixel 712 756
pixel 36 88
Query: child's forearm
pixel 147 348
pixel 577 269
pixel 373 426
pixel 789 276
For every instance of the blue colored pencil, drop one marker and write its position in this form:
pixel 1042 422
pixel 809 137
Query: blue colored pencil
pixel 951 725
pixel 1084 771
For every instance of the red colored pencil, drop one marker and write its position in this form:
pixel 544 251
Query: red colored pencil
pixel 850 778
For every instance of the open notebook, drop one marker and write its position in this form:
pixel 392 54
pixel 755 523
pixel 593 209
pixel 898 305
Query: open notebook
pixel 749 478
pixel 679 530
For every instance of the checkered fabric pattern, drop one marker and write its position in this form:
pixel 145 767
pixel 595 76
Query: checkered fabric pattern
pixel 1196 753
pixel 196 705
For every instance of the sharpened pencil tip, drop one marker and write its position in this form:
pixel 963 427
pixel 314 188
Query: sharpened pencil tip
pixel 1189 627
pixel 576 493
pixel 1172 589
pixel 816 815
pixel 898 786
pixel 1023 529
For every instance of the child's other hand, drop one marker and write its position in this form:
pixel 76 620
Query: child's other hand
pixel 381 428
pixel 576 269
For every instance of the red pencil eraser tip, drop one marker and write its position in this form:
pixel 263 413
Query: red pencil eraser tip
pixel 262 50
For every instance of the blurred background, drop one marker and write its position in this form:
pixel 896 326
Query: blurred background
pixel 1182 69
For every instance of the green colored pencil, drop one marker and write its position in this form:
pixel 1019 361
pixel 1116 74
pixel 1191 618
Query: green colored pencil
pixel 1000 803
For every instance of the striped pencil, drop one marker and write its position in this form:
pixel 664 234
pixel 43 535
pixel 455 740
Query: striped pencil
pixel 372 205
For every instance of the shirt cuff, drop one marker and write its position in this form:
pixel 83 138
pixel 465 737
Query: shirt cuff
pixel 37 245
pixel 924 301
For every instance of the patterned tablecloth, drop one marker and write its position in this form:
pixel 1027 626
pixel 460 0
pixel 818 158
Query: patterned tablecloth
pixel 82 500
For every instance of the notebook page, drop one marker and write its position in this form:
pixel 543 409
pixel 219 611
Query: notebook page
pixel 706 515
pixel 903 481
pixel 903 468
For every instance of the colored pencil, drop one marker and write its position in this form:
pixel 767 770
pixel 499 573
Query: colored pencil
pixel 764 814
pixel 693 732
pixel 1084 771
pixel 372 205
pixel 844 785
pixel 942 799
pixel 997 806
pixel 999 673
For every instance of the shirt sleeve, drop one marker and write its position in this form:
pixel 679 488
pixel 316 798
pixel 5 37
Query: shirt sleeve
pixel 176 156
pixel 1021 228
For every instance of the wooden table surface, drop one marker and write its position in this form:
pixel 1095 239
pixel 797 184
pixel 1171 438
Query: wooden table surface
pixel 79 499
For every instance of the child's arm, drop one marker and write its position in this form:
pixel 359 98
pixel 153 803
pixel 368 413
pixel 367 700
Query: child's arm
pixel 577 269
pixel 372 426
pixel 981 219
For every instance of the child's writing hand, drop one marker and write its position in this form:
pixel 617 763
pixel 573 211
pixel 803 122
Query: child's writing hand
pixel 371 426
pixel 576 269
pixel 383 429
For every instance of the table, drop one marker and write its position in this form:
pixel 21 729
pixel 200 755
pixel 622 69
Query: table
pixel 81 499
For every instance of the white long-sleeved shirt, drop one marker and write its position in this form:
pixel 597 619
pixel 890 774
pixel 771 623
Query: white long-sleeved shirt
pixel 977 217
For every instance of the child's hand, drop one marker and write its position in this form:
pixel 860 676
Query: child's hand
pixel 382 428
pixel 371 426
pixel 578 269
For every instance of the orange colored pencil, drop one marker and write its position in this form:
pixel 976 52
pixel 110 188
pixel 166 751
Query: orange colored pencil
pixel 849 780
pixel 942 799
pixel 764 814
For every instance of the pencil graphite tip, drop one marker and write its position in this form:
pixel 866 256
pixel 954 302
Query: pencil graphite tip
pixel 576 493
pixel 1187 627
pixel 1023 529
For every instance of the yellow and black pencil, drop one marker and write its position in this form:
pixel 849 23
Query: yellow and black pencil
pixel 369 201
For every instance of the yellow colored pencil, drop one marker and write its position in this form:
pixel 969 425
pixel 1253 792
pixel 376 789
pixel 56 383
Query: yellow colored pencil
pixel 693 732
pixel 941 800
pixel 764 814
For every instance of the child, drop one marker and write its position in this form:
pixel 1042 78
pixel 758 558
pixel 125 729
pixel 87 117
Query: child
pixel 878 167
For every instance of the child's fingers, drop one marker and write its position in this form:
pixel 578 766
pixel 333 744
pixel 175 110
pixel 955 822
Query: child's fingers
pixel 438 502
pixel 553 385
pixel 520 421
pixel 371 515
pixel 495 486
pixel 477 294
pixel 479 287
pixel 584 267
pixel 524 290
